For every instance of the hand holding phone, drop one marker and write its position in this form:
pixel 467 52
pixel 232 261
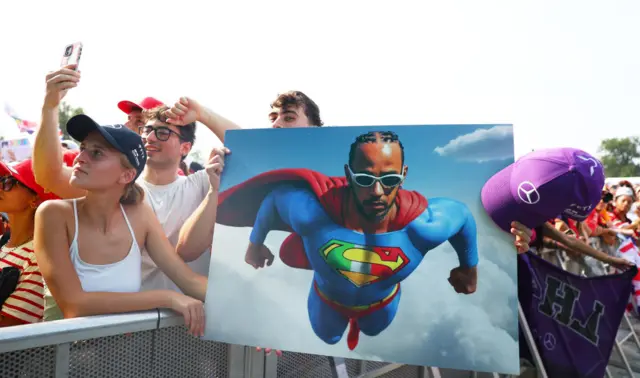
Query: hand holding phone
pixel 72 54
pixel 59 82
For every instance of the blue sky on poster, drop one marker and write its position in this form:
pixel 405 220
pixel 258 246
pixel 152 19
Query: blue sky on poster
pixel 564 73
pixel 434 325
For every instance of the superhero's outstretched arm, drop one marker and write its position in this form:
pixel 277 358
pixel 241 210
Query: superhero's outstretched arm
pixel 297 207
pixel 447 219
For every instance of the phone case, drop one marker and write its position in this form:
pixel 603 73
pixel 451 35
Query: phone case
pixel 72 54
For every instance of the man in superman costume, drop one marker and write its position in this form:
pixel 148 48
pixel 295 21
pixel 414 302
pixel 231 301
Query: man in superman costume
pixel 361 234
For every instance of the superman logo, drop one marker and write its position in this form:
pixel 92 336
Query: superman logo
pixel 363 265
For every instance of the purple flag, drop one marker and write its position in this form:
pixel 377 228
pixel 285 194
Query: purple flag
pixel 574 320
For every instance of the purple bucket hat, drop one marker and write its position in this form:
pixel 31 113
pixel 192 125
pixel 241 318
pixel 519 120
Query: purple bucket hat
pixel 542 185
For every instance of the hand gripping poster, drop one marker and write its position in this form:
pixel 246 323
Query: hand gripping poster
pixel 366 243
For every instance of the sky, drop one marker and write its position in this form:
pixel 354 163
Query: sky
pixel 434 326
pixel 563 73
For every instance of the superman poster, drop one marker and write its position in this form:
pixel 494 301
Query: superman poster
pixel 366 243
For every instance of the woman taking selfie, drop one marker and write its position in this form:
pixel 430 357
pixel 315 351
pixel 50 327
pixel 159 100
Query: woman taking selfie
pixel 89 248
pixel 21 291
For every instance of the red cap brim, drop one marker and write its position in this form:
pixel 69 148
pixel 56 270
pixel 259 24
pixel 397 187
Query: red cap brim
pixel 128 106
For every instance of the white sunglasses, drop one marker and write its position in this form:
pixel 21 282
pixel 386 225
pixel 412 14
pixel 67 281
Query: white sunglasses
pixel 366 180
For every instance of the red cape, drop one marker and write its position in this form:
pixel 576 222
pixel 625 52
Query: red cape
pixel 239 205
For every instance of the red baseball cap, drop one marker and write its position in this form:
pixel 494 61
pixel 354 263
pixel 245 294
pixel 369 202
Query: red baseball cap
pixel 146 103
pixel 23 172
pixel 69 157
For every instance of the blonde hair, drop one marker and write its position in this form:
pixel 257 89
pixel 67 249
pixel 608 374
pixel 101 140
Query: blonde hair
pixel 133 193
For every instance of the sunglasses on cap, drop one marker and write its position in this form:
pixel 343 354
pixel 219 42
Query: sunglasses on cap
pixel 366 180
pixel 163 133
pixel 8 182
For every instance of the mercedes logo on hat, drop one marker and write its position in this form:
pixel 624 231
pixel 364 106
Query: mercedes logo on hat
pixel 528 193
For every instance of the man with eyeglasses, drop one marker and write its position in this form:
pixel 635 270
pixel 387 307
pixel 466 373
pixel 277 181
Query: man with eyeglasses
pixel 173 198
pixel 334 218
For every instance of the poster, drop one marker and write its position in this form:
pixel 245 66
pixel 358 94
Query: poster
pixel 13 150
pixel 339 241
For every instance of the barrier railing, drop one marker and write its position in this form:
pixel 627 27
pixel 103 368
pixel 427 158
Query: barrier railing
pixel 155 344
pixel 145 344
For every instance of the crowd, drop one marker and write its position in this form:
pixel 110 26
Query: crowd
pixel 611 229
pixel 116 221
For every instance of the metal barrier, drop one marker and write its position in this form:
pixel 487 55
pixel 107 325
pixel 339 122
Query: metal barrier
pixel 147 344
pixel 155 344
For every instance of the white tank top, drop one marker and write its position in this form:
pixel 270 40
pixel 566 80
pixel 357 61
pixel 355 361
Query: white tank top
pixel 123 276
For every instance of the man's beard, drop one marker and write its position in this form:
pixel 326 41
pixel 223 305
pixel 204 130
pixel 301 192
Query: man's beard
pixel 373 218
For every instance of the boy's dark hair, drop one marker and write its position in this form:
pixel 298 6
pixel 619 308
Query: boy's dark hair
pixel 299 99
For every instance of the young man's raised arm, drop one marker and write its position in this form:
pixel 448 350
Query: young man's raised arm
pixel 48 166
pixel 188 110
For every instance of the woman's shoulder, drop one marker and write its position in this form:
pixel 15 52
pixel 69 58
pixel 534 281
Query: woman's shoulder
pixel 138 210
pixel 55 209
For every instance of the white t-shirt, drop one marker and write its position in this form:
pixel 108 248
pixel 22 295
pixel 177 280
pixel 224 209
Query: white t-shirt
pixel 632 212
pixel 173 204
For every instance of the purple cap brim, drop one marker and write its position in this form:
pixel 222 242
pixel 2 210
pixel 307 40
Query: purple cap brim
pixel 500 205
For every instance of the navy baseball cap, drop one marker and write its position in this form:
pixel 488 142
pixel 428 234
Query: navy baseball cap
pixel 118 136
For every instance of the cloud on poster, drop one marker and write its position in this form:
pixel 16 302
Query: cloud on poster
pixel 481 145
pixel 476 331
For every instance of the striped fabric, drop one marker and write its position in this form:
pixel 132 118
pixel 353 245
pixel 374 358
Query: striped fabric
pixel 27 301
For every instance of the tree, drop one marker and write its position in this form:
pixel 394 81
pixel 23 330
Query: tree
pixel 64 115
pixel 620 156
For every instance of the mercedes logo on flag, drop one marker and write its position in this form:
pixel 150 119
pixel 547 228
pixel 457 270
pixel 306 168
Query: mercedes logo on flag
pixel 549 341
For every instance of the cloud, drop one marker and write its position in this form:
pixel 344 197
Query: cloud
pixel 434 325
pixel 481 145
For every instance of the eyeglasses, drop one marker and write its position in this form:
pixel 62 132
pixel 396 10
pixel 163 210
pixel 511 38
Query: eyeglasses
pixel 8 182
pixel 163 133
pixel 366 180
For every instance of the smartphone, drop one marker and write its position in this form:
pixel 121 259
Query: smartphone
pixel 72 54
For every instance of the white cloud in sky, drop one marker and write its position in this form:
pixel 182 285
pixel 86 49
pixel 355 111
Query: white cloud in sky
pixel 495 143
pixel 434 325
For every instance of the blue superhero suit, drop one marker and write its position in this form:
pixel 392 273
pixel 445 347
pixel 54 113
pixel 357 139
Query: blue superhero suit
pixel 357 276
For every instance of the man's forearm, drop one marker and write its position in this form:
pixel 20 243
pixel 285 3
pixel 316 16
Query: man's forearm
pixel 573 244
pixel 585 249
pixel 196 235
pixel 216 123
pixel 47 151
pixel 550 243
